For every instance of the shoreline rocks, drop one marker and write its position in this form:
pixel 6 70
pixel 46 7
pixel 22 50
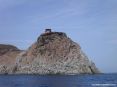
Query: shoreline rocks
pixel 53 53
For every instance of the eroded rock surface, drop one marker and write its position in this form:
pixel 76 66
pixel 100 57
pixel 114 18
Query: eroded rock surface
pixel 54 53
pixel 8 54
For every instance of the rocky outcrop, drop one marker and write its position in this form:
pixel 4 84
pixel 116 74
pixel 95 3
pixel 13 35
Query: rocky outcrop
pixel 8 55
pixel 54 53
pixel 7 48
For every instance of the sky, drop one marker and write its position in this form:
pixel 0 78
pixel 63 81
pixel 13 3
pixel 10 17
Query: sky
pixel 90 23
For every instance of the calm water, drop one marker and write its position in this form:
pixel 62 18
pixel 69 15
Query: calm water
pixel 101 80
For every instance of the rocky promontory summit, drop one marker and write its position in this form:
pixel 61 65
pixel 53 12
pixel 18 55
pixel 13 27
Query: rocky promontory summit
pixel 52 53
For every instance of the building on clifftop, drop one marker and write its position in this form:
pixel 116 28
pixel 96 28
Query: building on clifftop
pixel 48 31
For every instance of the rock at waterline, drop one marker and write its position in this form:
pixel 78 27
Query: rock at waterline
pixel 54 53
pixel 8 54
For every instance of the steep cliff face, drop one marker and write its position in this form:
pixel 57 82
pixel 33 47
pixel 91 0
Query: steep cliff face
pixel 54 53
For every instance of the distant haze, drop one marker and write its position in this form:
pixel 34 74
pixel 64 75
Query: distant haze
pixel 91 23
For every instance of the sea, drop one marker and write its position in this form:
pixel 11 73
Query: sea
pixel 83 80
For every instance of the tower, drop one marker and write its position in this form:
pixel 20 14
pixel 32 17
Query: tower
pixel 48 31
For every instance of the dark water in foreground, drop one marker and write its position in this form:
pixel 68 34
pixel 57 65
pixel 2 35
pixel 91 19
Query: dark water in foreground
pixel 101 80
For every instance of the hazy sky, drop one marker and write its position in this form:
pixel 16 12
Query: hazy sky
pixel 91 23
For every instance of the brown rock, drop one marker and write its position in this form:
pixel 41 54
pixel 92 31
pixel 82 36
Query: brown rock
pixel 54 53
pixel 8 54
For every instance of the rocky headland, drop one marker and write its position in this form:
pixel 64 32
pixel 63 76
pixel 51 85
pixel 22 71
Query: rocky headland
pixel 52 53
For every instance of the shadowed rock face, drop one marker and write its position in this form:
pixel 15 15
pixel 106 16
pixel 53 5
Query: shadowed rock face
pixel 54 53
pixel 7 48
pixel 8 55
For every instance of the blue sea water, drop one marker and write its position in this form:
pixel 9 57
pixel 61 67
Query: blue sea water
pixel 99 80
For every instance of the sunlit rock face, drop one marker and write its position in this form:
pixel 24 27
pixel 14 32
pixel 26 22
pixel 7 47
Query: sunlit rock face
pixel 53 53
